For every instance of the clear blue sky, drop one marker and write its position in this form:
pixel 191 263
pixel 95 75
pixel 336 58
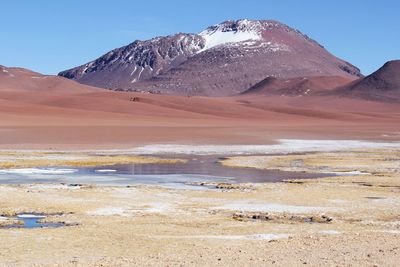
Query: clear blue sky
pixel 52 35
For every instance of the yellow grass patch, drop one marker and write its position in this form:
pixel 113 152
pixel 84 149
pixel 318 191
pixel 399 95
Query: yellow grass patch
pixel 380 160
pixel 35 159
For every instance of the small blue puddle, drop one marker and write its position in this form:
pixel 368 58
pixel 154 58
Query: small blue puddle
pixel 33 221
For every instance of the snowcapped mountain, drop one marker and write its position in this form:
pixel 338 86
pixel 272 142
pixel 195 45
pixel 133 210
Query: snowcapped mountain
pixel 224 59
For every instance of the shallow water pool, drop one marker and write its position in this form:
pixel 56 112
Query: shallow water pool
pixel 180 175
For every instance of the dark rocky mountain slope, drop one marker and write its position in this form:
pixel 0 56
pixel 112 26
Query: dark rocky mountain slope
pixel 382 85
pixel 224 59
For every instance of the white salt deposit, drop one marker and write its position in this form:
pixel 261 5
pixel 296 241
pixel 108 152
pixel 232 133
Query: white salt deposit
pixel 153 207
pixel 51 186
pixel 106 170
pixel 267 237
pixel 271 207
pixel 329 232
pixel 350 173
pixel 38 171
pixel 30 216
pixel 109 211
pixel 396 232
pixel 284 146
pixel 159 207
pixel 243 237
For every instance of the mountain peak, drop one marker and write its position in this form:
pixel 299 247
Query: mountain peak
pixel 241 25
pixel 386 78
pixel 231 32
pixel 224 59
pixel 392 65
pixel 242 30
pixel 245 25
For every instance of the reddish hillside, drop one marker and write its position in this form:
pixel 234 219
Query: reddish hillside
pixel 39 111
pixel 19 79
pixel 382 85
pixel 300 86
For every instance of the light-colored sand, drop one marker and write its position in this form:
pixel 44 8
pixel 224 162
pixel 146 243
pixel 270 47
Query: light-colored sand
pixel 329 221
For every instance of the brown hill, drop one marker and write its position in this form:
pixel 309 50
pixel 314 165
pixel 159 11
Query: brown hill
pixel 38 111
pixel 382 85
pixel 300 86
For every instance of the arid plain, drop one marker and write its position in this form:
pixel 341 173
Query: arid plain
pixel 51 122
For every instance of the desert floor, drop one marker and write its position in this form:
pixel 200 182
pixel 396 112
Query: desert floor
pixel 346 220
pixel 49 112
pixel 349 219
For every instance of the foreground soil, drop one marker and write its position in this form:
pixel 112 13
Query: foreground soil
pixel 345 220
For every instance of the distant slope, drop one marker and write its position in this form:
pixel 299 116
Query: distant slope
pixel 224 59
pixel 300 86
pixel 19 79
pixel 382 85
pixel 47 112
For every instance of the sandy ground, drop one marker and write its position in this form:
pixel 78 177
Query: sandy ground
pixel 342 221
pixel 47 112
pixel 328 221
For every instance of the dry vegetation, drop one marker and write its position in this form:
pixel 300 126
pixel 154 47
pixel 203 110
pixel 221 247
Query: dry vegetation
pixel 329 221
pixel 47 159
pixel 376 161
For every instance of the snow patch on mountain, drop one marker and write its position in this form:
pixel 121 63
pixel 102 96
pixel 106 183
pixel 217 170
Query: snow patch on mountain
pixel 218 37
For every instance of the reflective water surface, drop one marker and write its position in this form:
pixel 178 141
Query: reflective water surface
pixel 182 175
